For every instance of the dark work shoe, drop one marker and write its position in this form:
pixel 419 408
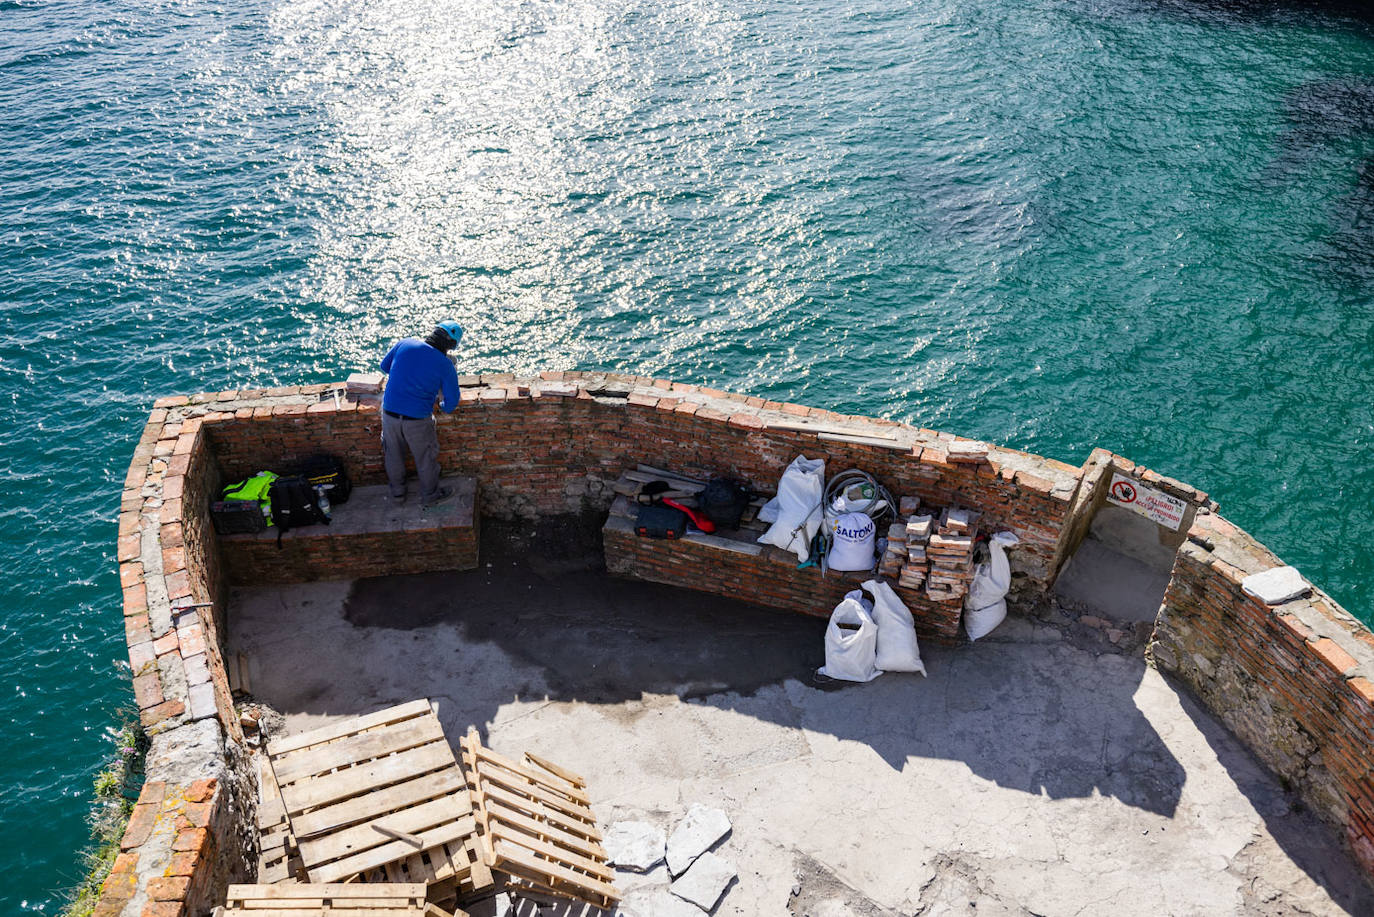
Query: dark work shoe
pixel 443 494
pixel 395 500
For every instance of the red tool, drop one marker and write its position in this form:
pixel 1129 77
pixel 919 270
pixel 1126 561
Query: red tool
pixel 700 521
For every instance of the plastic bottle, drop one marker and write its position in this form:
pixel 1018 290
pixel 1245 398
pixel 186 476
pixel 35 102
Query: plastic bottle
pixel 322 499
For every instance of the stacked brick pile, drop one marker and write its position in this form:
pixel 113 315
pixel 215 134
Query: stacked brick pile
pixel 932 555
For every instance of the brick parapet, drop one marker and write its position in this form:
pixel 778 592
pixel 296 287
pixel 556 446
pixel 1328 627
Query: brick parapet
pixel 1293 681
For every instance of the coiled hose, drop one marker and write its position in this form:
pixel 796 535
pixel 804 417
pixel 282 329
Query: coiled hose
pixel 878 507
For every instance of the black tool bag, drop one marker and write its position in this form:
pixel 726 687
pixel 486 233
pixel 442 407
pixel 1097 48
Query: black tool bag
pixel 293 505
pixel 660 522
pixel 237 517
pixel 724 501
pixel 327 470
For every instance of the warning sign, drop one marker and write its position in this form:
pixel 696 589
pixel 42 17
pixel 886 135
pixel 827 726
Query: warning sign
pixel 1159 507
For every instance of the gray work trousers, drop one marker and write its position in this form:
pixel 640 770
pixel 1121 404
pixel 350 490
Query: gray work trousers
pixel 420 437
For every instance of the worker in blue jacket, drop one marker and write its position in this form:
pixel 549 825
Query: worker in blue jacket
pixel 417 373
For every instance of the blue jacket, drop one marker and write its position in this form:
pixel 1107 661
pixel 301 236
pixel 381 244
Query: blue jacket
pixel 416 373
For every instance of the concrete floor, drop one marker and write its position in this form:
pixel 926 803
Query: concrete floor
pixel 1031 773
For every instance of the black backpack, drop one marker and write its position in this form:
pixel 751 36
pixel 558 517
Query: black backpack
pixel 328 470
pixel 724 501
pixel 293 505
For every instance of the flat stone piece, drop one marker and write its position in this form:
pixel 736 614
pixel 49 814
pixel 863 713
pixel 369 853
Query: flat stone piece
pixel 695 834
pixel 1276 586
pixel 634 845
pixel 655 903
pixel 364 383
pixel 705 882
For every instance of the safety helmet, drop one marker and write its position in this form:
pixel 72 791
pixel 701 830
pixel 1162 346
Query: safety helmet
pixel 452 329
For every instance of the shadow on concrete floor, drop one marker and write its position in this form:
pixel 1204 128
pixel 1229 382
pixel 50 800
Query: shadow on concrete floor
pixel 1027 721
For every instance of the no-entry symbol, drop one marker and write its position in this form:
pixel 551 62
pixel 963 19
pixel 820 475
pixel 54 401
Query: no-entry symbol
pixel 1123 491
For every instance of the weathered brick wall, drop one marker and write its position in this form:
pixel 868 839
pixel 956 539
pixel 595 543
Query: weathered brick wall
pixel 769 577
pixel 548 445
pixel 321 553
pixel 1295 682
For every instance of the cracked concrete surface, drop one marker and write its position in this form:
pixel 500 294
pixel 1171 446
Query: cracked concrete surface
pixel 1026 775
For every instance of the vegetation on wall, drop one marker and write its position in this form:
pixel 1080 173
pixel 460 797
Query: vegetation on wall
pixel 116 788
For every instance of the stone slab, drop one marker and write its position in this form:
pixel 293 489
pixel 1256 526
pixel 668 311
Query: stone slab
pixel 705 881
pixel 702 827
pixel 634 845
pixel 1276 586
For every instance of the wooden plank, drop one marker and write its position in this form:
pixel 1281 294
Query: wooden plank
pixel 575 779
pixel 347 727
pixel 670 475
pixel 691 487
pixel 547 781
pixel 866 441
pixel 381 801
pixel 395 850
pixel 413 911
pixel 823 428
pixel 411 890
pixel 358 838
pixel 366 778
pixel 355 749
pixel 508 855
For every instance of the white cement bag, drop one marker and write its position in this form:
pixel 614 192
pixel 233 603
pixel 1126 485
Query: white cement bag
pixel 851 546
pixel 898 650
pixel 799 507
pixel 850 653
pixel 986 606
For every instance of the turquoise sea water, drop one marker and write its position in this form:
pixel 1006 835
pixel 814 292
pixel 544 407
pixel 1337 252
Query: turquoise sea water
pixel 1054 224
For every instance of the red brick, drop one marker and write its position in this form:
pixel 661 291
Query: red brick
pixel 173 559
pixel 1335 658
pixel 139 827
pixel 643 401
pixel 201 790
pixel 147 690
pixel 744 421
pixel 192 839
pixel 183 863
pixel 1364 688
pixel 795 410
pixel 129 547
pixel 136 629
pixel 167 643
pixel 178 585
pixel 192 639
pixel 172 401
pixel 164 909
pixel 168 888
pixel 162 712
pixel 687 408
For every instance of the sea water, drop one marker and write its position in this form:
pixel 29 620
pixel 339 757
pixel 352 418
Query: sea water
pixel 1140 224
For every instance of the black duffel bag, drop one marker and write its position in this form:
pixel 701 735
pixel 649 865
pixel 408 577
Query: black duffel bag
pixel 724 501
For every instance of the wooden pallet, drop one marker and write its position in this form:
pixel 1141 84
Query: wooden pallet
pixel 278 860
pixel 537 825
pixel 349 900
pixel 374 792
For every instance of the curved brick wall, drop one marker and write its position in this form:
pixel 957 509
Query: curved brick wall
pixel 554 444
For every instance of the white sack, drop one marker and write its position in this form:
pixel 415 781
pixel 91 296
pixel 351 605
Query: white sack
pixel 986 605
pixel 850 654
pixel 768 512
pixel 851 547
pixel 897 647
pixel 799 507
